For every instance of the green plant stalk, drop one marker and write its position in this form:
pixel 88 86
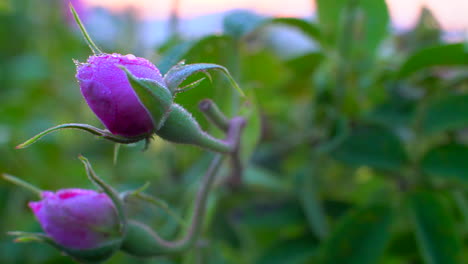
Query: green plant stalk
pixel 213 114
pixel 113 195
pixel 142 241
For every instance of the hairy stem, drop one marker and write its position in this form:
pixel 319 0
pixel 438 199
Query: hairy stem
pixel 193 231
pixel 213 114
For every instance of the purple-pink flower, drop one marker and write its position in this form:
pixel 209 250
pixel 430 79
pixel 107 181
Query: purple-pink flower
pixel 109 94
pixel 76 218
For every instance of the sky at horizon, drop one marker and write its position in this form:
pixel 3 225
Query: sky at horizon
pixel 452 14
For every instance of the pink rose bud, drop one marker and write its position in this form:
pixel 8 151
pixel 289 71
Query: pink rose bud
pixel 76 218
pixel 109 94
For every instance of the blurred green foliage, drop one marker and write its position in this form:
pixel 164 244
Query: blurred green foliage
pixel 357 150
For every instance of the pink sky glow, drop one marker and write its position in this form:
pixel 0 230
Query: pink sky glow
pixel 452 14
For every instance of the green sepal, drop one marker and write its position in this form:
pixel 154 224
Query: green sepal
pixel 181 127
pixel 155 97
pixel 142 197
pixel 94 48
pixel 22 183
pixel 95 255
pixel 141 241
pixel 179 72
pixel 88 128
pixel 107 189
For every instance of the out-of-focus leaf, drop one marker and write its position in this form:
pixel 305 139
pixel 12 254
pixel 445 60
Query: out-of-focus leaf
pixel 329 12
pixel 176 54
pixel 261 179
pixel 241 22
pixel 313 208
pixel 440 55
pixel 462 205
pixel 191 48
pixel 367 19
pixel 5 6
pixel 374 146
pixel 426 33
pixel 251 133
pixel 272 216
pixel 448 113
pixel 435 229
pixel 360 237
pixel 307 28
pixel 263 71
pixel 396 112
pixel 294 251
pixel 447 161
pixel 375 25
pixel 306 64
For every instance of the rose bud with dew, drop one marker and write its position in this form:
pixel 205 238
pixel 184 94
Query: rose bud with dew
pixel 110 96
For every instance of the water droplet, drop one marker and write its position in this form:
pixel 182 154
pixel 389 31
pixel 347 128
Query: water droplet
pixel 130 57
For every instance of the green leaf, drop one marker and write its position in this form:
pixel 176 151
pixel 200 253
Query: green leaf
pixel 259 179
pixel 376 24
pixel 361 27
pixel 447 161
pixel 292 251
pixel 239 24
pixel 312 205
pixel 154 96
pixel 447 113
pixel 306 64
pixel 440 55
pixel 435 229
pixel 251 133
pixel 360 237
pixel 373 146
pixel 329 13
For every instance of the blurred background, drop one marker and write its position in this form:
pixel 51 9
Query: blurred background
pixel 356 147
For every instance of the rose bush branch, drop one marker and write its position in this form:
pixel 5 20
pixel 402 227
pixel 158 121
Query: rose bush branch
pixel 215 116
pixel 57 213
pixel 144 242
pixel 134 101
